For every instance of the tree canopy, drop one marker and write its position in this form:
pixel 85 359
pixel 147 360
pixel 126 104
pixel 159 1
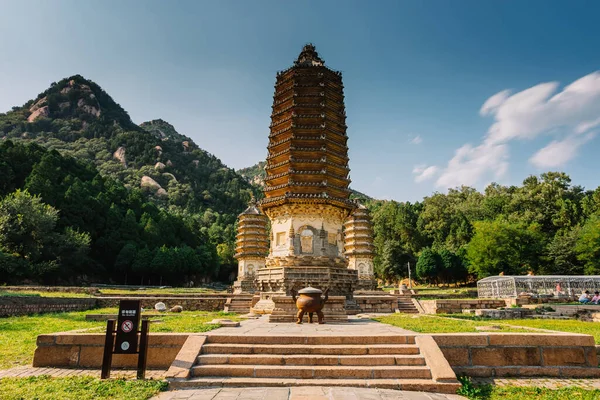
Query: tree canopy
pixel 546 225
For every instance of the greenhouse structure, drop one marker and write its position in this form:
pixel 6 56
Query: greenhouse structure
pixel 556 286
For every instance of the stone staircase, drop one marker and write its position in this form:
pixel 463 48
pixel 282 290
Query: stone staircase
pixel 405 305
pixel 240 304
pixel 390 362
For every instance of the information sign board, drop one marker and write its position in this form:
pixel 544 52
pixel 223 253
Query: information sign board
pixel 128 322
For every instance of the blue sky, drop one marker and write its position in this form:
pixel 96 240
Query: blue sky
pixel 417 75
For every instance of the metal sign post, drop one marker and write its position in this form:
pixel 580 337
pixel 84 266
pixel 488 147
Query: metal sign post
pixel 126 340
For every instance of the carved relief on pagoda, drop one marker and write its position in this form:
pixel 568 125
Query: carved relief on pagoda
pixel 248 267
pixel 301 229
pixel 364 266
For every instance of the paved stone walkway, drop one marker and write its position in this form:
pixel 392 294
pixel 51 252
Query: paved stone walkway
pixel 23 372
pixel 354 327
pixel 301 393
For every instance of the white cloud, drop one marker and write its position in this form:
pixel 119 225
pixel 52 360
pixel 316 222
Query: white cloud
pixel 526 115
pixel 470 165
pixel 586 126
pixel 424 172
pixel 534 111
pixel 494 102
pixel 416 140
pixel 559 152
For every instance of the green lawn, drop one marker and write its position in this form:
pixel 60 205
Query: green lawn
pixel 165 291
pixel 467 323
pixel 37 293
pixel 18 334
pixel 112 292
pixel 436 290
pixel 573 326
pixel 437 324
pixel 77 388
pixel 491 392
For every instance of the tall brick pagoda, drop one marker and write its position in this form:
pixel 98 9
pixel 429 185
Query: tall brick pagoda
pixel 306 194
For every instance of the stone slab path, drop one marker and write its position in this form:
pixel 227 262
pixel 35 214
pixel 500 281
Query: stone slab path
pixel 301 393
pixel 354 327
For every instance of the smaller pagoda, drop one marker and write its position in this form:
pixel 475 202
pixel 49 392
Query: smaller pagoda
pixel 358 247
pixel 252 246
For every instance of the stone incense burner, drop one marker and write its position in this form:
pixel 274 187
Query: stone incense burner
pixel 310 302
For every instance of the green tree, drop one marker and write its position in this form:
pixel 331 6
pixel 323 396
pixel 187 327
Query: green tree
pixel 452 267
pixel 561 255
pixel 26 225
pixel 588 245
pixel 125 260
pixel 429 265
pixel 500 246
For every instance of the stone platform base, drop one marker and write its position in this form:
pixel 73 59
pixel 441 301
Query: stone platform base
pixel 375 301
pixel 265 305
pixel 285 310
pixel 245 285
pixel 340 281
pixel 367 284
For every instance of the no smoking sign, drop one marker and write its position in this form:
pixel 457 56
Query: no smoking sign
pixel 127 326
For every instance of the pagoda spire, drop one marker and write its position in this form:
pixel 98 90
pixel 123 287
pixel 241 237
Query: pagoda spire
pixel 309 57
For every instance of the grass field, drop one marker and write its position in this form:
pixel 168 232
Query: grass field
pixel 164 291
pixel 77 388
pixel 491 392
pixel 464 323
pixel 36 293
pixel 437 290
pixel 112 292
pixel 437 324
pixel 18 334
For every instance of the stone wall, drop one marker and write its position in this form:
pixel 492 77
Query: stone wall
pixel 214 303
pixel 471 354
pixel 507 313
pixel 520 354
pixel 456 306
pixel 14 306
pixel 68 350
pixel 376 303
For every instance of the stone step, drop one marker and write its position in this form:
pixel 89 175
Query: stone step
pixel 238 304
pixel 362 349
pixel 313 372
pixel 405 305
pixel 419 385
pixel 311 340
pixel 279 359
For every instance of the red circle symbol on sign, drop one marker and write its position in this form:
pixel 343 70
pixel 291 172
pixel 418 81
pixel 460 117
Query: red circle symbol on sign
pixel 127 326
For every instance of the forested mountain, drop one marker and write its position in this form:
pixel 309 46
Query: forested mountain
pixel 255 174
pixel 142 194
